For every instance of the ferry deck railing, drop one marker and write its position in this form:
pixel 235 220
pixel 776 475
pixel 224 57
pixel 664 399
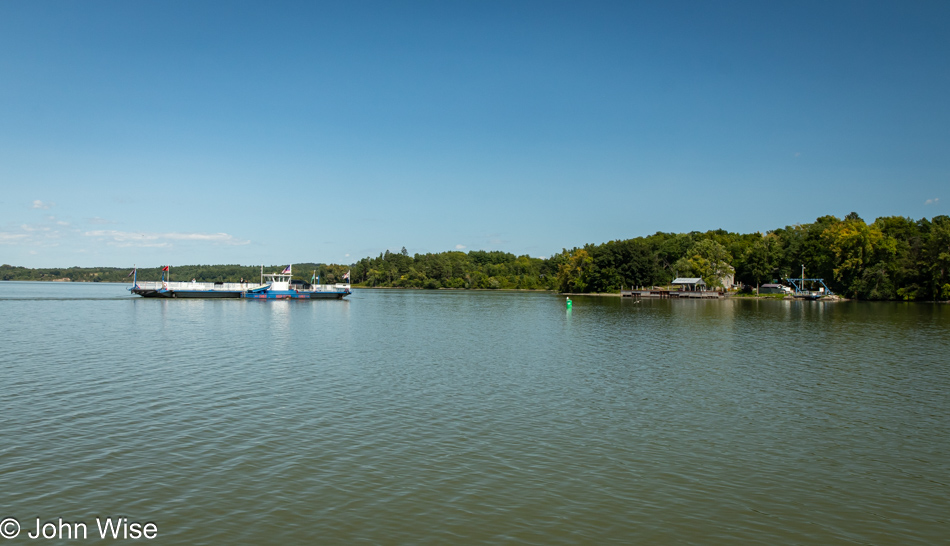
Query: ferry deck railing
pixel 338 287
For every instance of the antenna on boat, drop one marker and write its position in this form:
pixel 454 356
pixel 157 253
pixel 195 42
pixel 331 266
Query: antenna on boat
pixel 262 273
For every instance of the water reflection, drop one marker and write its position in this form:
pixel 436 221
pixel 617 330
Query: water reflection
pixel 438 416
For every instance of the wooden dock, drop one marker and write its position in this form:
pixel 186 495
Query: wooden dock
pixel 661 293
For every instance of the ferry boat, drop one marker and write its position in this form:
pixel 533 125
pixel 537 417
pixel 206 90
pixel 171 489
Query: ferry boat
pixel 279 286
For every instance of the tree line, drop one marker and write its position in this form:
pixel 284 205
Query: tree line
pixel 474 269
pixel 328 273
pixel 891 258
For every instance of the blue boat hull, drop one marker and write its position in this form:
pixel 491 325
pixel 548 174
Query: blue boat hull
pixel 293 295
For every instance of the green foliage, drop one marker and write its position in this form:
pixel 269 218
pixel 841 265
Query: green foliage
pixel 854 244
pixel 711 261
pixel 573 274
pixel 761 259
pixel 891 258
pixel 476 269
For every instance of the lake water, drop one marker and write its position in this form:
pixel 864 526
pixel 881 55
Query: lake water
pixel 437 417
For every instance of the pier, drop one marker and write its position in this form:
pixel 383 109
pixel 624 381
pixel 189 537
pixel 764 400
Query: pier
pixel 664 293
pixel 683 287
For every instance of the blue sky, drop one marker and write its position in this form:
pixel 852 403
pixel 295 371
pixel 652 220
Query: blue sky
pixel 250 132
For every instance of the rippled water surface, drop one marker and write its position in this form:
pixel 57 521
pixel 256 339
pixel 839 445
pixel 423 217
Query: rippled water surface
pixel 434 417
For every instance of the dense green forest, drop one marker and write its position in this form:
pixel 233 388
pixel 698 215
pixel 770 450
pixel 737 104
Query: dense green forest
pixel 892 258
pixel 475 269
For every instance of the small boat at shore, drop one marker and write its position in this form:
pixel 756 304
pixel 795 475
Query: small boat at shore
pixel 279 286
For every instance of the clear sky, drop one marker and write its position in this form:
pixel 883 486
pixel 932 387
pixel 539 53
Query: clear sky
pixel 177 133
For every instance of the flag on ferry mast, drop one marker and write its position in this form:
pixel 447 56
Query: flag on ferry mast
pixel 131 273
pixel 347 276
pixel 165 268
pixel 286 271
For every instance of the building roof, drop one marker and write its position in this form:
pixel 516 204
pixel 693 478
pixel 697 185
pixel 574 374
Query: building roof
pixel 688 280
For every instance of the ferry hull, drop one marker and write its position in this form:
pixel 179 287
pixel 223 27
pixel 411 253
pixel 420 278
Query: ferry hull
pixel 185 294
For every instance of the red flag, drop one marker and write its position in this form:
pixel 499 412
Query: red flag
pixel 165 268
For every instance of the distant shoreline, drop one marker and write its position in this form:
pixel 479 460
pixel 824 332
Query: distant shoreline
pixel 519 290
pixel 452 289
